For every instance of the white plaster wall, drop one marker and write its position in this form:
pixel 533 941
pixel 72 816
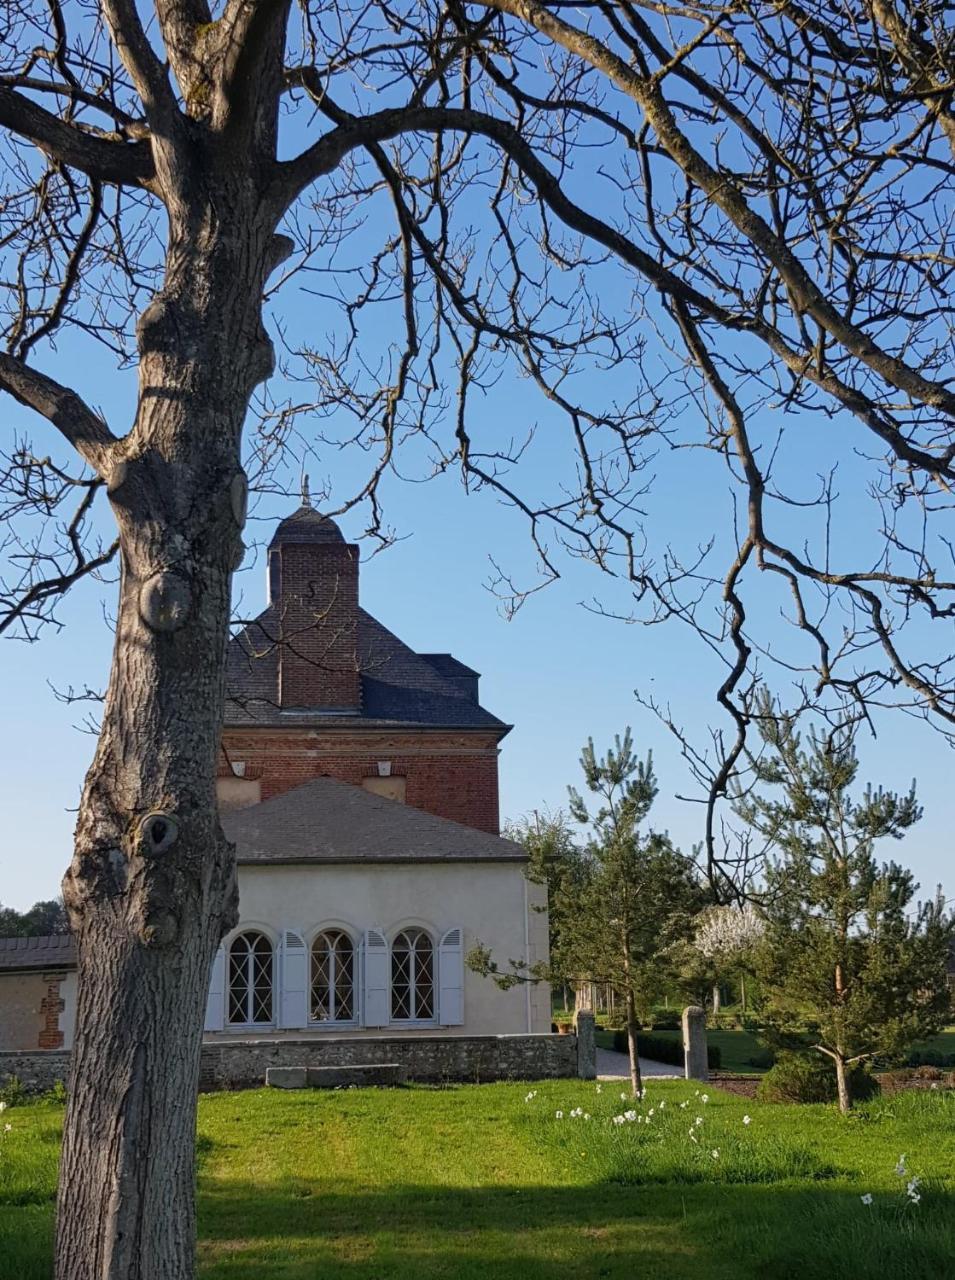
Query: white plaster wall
pixel 487 900
pixel 68 1012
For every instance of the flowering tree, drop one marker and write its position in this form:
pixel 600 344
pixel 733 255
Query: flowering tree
pixel 726 936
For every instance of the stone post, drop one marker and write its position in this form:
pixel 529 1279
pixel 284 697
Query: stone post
pixel 586 1045
pixel 694 1043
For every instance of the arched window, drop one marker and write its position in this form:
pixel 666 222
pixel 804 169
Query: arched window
pixel 412 976
pixel 251 979
pixel 333 978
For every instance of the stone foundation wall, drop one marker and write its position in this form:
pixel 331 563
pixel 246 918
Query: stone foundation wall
pixel 430 1059
pixel 37 1070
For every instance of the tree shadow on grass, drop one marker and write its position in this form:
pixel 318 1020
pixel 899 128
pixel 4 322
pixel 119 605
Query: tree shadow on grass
pixel 297 1231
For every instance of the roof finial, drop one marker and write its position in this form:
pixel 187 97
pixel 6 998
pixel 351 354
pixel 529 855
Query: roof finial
pixel 306 496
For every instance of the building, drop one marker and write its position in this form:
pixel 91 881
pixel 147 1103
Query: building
pixel 359 782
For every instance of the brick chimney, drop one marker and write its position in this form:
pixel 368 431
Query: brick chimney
pixel 313 585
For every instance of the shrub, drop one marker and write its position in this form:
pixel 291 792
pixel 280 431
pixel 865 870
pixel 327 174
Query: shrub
pixel 930 1058
pixel 802 1077
pixel 13 1092
pixel 761 1060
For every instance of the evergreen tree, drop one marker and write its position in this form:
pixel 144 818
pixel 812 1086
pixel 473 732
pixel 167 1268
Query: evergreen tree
pixel 638 894
pixel 620 901
pixel 554 862
pixel 846 956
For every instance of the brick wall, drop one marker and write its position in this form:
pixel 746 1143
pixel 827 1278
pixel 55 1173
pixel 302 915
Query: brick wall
pixel 318 662
pixel 452 775
pixel 430 1058
pixel 51 1006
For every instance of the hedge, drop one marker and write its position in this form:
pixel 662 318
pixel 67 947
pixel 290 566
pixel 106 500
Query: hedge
pixel 658 1048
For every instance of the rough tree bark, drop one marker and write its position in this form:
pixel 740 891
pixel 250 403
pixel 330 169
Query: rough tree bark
pixel 151 887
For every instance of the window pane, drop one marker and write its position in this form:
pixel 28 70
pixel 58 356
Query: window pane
pixel 401 1007
pixel 321 979
pixel 251 975
pixel 344 978
pixel 424 977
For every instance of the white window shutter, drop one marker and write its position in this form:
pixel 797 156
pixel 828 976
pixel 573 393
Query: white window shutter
pixel 215 1003
pixel 293 966
pixel 451 978
pixel 375 985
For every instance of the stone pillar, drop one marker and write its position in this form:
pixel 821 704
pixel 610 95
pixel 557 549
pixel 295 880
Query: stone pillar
pixel 584 1023
pixel 694 1043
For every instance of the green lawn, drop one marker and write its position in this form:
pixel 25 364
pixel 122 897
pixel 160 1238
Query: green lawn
pixel 474 1182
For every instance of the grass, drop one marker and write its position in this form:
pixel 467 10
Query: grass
pixel 740 1048
pixel 466 1182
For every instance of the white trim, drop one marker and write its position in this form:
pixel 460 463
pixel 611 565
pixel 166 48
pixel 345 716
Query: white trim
pixel 266 931
pixel 432 936
pixel 332 1024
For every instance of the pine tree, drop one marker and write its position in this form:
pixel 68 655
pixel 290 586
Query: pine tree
pixel 638 895
pixel 846 955
pixel 621 901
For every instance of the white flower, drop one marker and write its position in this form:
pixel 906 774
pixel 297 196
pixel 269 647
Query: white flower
pixel 650 1112
pixel 900 1169
pixel 867 1198
pixel 558 1115
pixel 630 1115
pixel 915 1197
pixel 7 1128
pixel 623 1097
pixel 705 1097
pixel 698 1120
pixel 912 1184
pixel 662 1105
pixel 747 1119
pixel 715 1153
pixel 933 1085
pixel 3 1106
pixel 599 1087
pixel 586 1116
pixel 696 1093
pixel 619 1120
pixel 684 1105
pixel 530 1096
pixel 692 1136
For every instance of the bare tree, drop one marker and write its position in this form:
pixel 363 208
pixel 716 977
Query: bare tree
pixel 775 183
pixel 701 230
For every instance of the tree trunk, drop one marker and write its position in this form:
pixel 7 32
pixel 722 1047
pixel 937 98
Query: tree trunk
pixel 151 888
pixel 716 997
pixel 742 993
pixel 636 1079
pixel 843 1084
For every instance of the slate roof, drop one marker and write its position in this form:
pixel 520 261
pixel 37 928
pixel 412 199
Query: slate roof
pixel 307 525
pixel 326 821
pixel 53 951
pixel 398 686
